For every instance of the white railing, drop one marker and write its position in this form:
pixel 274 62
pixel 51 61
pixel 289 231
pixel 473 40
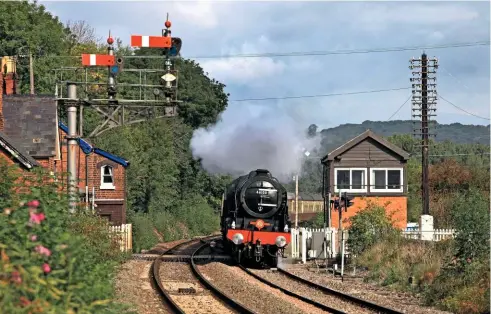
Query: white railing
pixel 300 236
pixel 317 236
pixel 123 235
pixel 438 234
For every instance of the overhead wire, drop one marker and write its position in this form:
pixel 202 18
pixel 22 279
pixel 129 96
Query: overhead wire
pixel 314 53
pixel 461 109
pixel 321 95
pixel 399 108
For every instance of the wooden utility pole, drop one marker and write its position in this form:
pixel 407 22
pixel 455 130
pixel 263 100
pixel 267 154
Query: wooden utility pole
pixel 296 201
pixel 31 73
pixel 424 135
pixel 423 108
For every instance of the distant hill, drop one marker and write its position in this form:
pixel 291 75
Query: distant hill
pixel 455 132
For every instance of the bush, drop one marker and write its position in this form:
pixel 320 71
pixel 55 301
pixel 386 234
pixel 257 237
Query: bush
pixel 44 265
pixel 470 215
pixel 190 218
pixel 461 290
pixel 368 227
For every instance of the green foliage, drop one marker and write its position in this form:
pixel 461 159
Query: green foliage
pixel 48 262
pixel 369 226
pixel 27 28
pixel 392 261
pixel 190 218
pixel 471 219
pixel 461 290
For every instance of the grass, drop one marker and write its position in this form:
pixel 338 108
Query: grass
pixel 393 262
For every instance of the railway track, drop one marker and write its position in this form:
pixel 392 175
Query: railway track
pixel 355 300
pixel 319 296
pixel 291 293
pixel 183 281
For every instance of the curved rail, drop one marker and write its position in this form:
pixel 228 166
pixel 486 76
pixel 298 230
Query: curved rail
pixel 157 283
pixel 241 308
pixel 347 297
pixel 155 274
pixel 293 294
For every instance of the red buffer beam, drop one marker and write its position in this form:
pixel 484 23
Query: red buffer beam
pixel 151 41
pixel 97 60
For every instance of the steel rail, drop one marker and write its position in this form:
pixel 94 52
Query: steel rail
pixel 292 294
pixel 155 275
pixel 221 295
pixel 347 297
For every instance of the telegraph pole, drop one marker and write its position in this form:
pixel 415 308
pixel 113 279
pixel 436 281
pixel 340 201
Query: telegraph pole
pixel 296 201
pixel 423 108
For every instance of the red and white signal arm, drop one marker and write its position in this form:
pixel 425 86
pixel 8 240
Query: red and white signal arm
pixel 151 41
pixel 97 60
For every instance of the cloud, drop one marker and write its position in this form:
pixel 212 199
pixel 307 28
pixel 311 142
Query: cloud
pixel 218 28
pixel 383 15
pixel 238 70
pixel 201 13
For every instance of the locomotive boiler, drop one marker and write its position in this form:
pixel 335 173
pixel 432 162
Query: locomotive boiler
pixel 254 219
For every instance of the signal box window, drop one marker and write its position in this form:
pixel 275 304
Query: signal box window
pixel 107 178
pixel 386 180
pixel 350 179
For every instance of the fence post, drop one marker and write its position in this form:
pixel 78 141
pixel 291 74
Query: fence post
pixel 304 245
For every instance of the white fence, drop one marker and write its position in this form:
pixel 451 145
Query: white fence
pixel 436 235
pixel 123 235
pixel 319 242
pixel 309 242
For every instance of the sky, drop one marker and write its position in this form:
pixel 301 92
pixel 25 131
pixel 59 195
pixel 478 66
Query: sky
pixel 221 28
pixel 238 27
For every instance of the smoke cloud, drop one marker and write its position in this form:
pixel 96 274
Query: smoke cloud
pixel 251 136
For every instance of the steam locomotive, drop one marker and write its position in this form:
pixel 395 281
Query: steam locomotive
pixel 254 219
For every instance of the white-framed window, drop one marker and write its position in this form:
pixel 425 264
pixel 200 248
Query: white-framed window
pixel 350 179
pixel 387 180
pixel 107 178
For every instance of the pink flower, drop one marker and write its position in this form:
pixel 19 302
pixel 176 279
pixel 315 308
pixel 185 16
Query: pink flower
pixel 33 203
pixel 42 250
pixel 46 268
pixel 7 211
pixel 36 218
pixel 34 237
pixel 24 301
pixel 15 277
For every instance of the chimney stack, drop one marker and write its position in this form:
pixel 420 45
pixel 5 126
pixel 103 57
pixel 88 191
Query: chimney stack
pixel 9 81
pixel 1 101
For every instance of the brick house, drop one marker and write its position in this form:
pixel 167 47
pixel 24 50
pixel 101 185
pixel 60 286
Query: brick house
pixel 368 168
pixel 31 136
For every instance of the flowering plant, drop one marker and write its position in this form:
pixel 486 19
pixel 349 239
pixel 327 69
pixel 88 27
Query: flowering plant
pixel 45 267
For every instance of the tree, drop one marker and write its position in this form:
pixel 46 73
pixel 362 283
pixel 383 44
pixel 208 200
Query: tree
pixel 27 30
pixel 82 32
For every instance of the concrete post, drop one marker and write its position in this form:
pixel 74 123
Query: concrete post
pixel 426 227
pixel 304 245
pixel 72 147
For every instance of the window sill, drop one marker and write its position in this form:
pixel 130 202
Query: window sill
pixel 386 191
pixel 351 191
pixel 107 187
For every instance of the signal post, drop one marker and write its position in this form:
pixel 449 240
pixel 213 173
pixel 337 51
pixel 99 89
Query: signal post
pixel 113 108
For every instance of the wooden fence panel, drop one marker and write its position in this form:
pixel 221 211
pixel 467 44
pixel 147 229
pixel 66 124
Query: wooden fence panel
pixel 123 235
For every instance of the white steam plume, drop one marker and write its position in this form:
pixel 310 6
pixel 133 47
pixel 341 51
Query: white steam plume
pixel 249 137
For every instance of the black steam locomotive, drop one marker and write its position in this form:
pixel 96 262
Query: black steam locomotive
pixel 254 218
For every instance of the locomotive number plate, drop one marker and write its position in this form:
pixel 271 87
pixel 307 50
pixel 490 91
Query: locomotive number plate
pixel 262 192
